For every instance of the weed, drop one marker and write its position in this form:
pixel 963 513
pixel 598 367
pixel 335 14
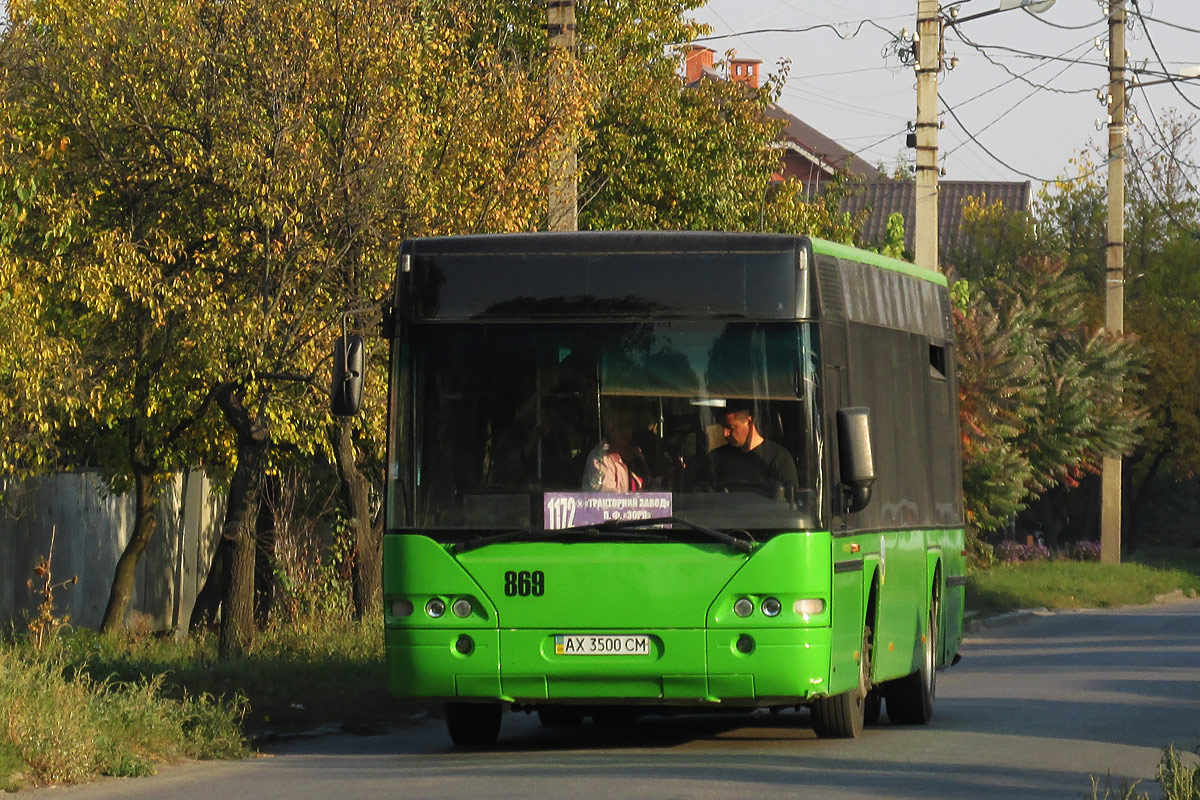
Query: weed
pixel 63 726
pixel 1177 780
pixel 45 625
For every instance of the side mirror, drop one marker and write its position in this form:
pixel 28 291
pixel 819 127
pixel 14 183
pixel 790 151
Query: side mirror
pixel 855 456
pixel 349 362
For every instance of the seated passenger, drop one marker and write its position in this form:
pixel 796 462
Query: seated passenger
pixel 617 463
pixel 748 462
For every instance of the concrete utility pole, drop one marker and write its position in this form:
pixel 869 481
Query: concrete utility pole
pixel 563 187
pixel 929 63
pixel 1114 276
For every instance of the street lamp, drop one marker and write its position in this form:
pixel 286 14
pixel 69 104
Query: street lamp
pixel 1185 74
pixel 1033 6
pixel 931 22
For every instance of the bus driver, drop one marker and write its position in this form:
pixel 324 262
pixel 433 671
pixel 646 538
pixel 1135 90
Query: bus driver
pixel 748 461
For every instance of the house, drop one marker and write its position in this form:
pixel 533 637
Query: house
pixel 881 198
pixel 806 154
pixel 813 158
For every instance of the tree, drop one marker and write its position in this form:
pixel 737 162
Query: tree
pixel 1163 305
pixel 116 283
pixel 1044 393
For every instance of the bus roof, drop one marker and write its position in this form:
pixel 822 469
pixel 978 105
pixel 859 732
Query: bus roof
pixel 875 259
pixel 632 274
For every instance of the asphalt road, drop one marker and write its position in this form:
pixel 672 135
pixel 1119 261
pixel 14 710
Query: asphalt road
pixel 1035 709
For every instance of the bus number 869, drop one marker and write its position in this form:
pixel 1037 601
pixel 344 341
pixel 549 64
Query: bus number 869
pixel 524 584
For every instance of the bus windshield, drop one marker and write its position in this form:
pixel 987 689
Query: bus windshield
pixel 551 425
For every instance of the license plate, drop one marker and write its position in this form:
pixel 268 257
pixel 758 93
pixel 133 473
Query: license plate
pixel 590 645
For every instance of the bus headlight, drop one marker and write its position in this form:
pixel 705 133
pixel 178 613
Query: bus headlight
pixel 461 607
pixel 402 608
pixel 743 606
pixel 809 606
pixel 435 608
pixel 771 607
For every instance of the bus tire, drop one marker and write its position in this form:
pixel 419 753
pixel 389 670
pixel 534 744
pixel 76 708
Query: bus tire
pixel 910 699
pixel 473 724
pixel 842 716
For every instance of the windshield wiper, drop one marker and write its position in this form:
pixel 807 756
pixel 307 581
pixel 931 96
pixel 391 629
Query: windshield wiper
pixel 639 527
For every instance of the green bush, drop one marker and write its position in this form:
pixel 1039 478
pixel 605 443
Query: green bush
pixel 64 726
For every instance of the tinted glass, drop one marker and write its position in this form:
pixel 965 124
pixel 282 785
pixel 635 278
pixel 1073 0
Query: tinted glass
pixel 509 419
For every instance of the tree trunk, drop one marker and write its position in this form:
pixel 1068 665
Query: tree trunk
pixel 206 612
pixel 368 556
pixel 145 520
pixel 238 532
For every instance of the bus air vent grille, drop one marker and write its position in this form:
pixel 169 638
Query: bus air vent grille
pixel 833 299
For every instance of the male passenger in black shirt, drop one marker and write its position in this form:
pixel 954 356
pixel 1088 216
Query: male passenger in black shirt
pixel 748 462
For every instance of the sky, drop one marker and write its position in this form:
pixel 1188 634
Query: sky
pixel 844 83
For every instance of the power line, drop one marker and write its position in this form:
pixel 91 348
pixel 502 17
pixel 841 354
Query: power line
pixel 1175 25
pixel 1008 166
pixel 1014 105
pixel 1034 68
pixel 835 27
pixel 1060 26
pixel 983 48
pixel 1150 40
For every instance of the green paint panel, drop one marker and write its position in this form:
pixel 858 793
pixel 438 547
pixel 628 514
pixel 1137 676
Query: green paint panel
pixel 678 595
pixel 591 586
pixel 424 663
pixel 731 687
pixel 784 662
pixel 876 259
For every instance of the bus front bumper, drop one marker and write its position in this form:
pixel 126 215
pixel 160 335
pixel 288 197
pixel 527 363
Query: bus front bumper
pixel 776 666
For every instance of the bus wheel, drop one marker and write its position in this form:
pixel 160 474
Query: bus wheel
pixel 910 699
pixel 473 724
pixel 843 715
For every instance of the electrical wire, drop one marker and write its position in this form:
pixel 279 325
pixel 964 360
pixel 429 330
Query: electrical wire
pixel 835 27
pixel 1175 25
pixel 1059 25
pixel 1167 145
pixel 1150 40
pixel 1034 68
pixel 983 48
pixel 1008 166
pixel 1006 111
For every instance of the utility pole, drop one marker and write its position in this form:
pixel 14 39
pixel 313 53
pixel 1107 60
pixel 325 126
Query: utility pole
pixel 563 190
pixel 929 63
pixel 1114 274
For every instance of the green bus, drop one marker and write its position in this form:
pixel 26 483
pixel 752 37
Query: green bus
pixel 642 472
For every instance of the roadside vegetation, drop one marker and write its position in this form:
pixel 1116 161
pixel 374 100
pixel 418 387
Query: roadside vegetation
pixel 65 724
pixel 1060 582
pixel 84 704
pixel 1176 779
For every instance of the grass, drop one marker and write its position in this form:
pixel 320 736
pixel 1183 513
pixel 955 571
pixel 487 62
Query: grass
pixel 1177 780
pixel 1058 584
pixel 295 678
pixel 84 705
pixel 62 725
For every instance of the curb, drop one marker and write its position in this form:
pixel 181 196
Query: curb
pixel 974 626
